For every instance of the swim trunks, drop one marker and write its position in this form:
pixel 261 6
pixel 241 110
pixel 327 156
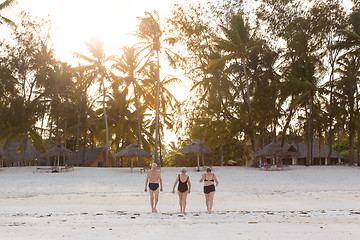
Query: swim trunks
pixel 153 186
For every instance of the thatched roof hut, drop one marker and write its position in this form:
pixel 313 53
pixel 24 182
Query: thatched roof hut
pixel 57 150
pixel 93 157
pixel 197 147
pixel 12 153
pixel 133 150
pixel 274 149
pixel 299 152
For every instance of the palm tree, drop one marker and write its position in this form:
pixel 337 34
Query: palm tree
pixel 98 68
pixel 238 45
pixel 349 66
pixel 131 65
pixel 4 5
pixel 151 33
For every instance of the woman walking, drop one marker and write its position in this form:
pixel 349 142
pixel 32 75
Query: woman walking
pixel 184 187
pixel 209 188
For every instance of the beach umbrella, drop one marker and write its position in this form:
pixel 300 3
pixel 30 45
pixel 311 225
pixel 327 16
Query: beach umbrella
pixel 196 147
pixel 57 151
pixel 131 151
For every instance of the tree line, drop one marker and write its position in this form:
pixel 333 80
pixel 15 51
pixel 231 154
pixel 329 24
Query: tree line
pixel 274 68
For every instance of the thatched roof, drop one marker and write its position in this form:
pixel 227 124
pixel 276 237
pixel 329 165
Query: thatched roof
pixel 319 151
pixel 57 150
pixel 297 150
pixel 133 150
pixel 91 155
pixel 275 149
pixel 13 151
pixel 195 147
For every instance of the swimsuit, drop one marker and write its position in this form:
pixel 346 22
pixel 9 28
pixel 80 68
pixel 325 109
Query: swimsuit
pixel 210 188
pixel 183 186
pixel 153 186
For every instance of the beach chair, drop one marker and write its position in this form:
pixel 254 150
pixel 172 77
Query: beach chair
pixel 46 169
pixel 67 168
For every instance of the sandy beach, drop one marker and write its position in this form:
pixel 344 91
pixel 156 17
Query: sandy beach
pixel 110 203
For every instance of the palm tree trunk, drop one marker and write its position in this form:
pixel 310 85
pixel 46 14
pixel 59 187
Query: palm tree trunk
pixel 25 140
pixel 106 127
pixel 157 109
pixel 65 130
pixel 331 134
pixel 308 158
pixel 139 126
pixel 84 147
pixel 251 121
pixel 50 133
pixel 78 136
pixel 351 145
pixel 221 155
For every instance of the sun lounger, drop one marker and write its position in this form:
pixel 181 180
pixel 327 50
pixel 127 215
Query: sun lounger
pixel 46 169
pixel 67 168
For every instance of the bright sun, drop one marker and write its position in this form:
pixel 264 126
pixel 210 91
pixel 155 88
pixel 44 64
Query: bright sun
pixel 110 21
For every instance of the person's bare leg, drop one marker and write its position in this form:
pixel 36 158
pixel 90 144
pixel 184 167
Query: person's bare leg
pixel 180 201
pixel 151 192
pixel 211 200
pixel 184 196
pixel 156 199
pixel 207 201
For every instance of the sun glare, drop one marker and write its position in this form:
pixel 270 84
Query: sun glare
pixel 109 22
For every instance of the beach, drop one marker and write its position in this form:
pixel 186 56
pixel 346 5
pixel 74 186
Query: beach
pixel 317 202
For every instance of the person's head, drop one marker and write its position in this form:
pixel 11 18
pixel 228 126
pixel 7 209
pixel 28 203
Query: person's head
pixel 208 170
pixel 183 170
pixel 154 165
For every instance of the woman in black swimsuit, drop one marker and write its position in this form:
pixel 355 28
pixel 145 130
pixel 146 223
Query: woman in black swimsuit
pixel 183 188
pixel 209 188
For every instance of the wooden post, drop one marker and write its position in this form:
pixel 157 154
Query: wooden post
pixel 198 163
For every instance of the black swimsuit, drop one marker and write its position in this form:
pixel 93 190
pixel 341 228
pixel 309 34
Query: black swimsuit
pixel 210 188
pixel 183 186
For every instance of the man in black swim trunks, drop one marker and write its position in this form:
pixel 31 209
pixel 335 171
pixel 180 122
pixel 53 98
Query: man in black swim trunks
pixel 153 178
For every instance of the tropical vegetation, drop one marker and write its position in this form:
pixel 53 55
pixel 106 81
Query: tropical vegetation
pixel 255 72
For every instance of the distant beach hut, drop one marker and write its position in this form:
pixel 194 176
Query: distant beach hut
pixel 91 157
pixel 133 151
pixel 197 147
pixel 274 150
pixel 11 154
pixel 296 153
pixel 57 151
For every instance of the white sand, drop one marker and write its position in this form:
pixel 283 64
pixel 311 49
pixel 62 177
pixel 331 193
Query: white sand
pixel 98 203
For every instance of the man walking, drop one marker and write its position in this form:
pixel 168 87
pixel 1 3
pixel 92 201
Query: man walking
pixel 153 178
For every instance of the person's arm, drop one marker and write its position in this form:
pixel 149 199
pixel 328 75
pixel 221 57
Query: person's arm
pixel 189 184
pixel 176 181
pixel 217 182
pixel 146 182
pixel 202 178
pixel 161 186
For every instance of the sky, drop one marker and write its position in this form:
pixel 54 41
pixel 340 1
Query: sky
pixel 111 21
pixel 76 21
